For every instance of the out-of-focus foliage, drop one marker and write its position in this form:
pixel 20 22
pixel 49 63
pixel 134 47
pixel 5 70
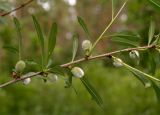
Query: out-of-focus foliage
pixel 117 88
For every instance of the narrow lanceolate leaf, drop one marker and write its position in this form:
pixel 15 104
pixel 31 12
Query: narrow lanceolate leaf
pixel 141 78
pixel 152 62
pixel 156 88
pixel 84 26
pixel 156 41
pixel 92 91
pixel 140 73
pixel 18 29
pixel 151 32
pixel 56 69
pixel 155 3
pixel 145 78
pixel 126 38
pixel 124 42
pixel 69 79
pixel 40 37
pixel 11 49
pixel 52 40
pixel 75 46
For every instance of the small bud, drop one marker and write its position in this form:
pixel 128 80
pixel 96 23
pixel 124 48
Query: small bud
pixel 20 65
pixel 134 54
pixel 77 72
pixel 86 46
pixel 26 81
pixel 117 62
pixel 52 77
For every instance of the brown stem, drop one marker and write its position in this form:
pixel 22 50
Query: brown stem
pixel 18 8
pixel 80 60
pixel 108 54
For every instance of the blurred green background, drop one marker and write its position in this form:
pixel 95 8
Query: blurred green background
pixel 121 92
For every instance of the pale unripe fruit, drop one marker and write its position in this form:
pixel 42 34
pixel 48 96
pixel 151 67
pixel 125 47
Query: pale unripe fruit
pixel 26 81
pixel 20 65
pixel 77 72
pixel 117 62
pixel 86 45
pixel 52 77
pixel 134 54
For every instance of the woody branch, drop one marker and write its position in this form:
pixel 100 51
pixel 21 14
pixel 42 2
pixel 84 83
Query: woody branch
pixel 79 61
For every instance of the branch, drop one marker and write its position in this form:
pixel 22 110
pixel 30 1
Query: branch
pixel 20 79
pixel 108 54
pixel 108 26
pixel 80 60
pixel 18 8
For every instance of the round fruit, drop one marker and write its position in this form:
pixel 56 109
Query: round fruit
pixel 77 72
pixel 86 45
pixel 20 65
pixel 26 81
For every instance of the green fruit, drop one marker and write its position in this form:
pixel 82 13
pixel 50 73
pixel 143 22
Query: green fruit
pixel 86 45
pixel 77 72
pixel 26 81
pixel 134 54
pixel 20 65
pixel 117 62
pixel 52 77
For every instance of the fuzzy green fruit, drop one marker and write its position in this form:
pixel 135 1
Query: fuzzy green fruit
pixel 26 81
pixel 20 65
pixel 134 54
pixel 52 77
pixel 77 72
pixel 117 62
pixel 86 45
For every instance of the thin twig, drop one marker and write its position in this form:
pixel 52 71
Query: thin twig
pixel 81 60
pixel 108 26
pixel 18 8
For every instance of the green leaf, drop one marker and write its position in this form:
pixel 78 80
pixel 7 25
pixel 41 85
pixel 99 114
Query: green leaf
pixel 92 91
pixel 126 38
pixel 151 32
pixel 11 49
pixel 31 62
pixel 52 40
pixel 124 42
pixel 18 29
pixel 155 3
pixel 75 46
pixel 156 41
pixel 5 6
pixel 144 78
pixel 84 26
pixel 156 88
pixel 152 62
pixel 40 36
pixel 149 60
pixel 141 78
pixel 56 69
pixel 69 78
